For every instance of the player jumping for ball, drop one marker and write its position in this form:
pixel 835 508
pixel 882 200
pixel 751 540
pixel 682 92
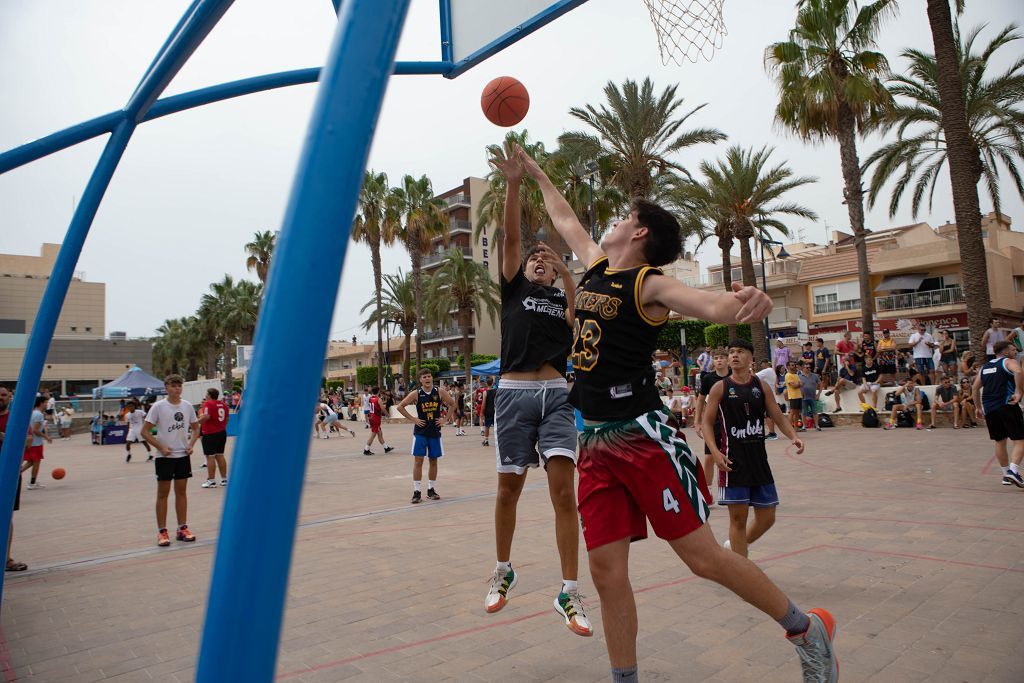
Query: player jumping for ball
pixel 533 421
pixel 634 463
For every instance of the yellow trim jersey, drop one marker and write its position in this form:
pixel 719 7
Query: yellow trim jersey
pixel 613 341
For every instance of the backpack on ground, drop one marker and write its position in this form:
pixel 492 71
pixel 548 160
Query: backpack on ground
pixel 905 419
pixel 825 420
pixel 891 399
pixel 869 419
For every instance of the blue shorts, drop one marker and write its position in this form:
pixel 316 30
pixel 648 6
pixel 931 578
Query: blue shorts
pixel 809 406
pixel 427 446
pixel 761 496
pixel 924 364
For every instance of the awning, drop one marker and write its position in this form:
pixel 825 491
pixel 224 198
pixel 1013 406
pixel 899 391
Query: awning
pixel 910 281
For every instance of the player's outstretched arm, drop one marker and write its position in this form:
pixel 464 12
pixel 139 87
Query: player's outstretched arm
pixel 742 304
pixel 562 215
pixel 508 163
pixel 710 413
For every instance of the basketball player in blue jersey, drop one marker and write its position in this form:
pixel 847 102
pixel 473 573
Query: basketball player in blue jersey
pixel 997 393
pixel 426 439
pixel 634 464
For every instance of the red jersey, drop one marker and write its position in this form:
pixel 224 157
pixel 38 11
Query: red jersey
pixel 218 417
pixel 375 408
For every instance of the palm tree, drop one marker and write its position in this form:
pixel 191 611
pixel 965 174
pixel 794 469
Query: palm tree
pixel 745 197
pixel 583 179
pixel 423 219
pixel 244 309
pixel 830 85
pixel 259 252
pixel 374 226
pixel 963 172
pixel 395 305
pixel 466 286
pixel 635 134
pixel 178 348
pixel 218 304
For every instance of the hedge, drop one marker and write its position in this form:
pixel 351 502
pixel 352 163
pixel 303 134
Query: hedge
pixel 668 338
pixel 476 359
pixel 718 335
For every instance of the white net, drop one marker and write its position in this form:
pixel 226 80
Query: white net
pixel 687 29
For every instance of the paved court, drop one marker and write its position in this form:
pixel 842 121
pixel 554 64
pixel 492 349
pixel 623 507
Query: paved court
pixel 906 536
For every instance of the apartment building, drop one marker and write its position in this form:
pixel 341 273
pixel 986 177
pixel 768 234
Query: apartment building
pixel 915 276
pixel 81 355
pixel 343 357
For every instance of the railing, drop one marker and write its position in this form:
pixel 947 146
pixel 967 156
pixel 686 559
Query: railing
pixel 716 278
pixel 784 314
pixel 837 306
pixel 457 199
pixel 928 299
pixel 456 225
pixel 447 333
pixel 435 258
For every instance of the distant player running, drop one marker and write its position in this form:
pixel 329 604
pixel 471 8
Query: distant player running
pixel 634 464
pixel 374 417
pixel 426 439
pixel 533 421
pixel 135 417
pixel 740 405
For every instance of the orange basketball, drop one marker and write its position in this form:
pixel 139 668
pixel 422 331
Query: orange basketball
pixel 58 473
pixel 505 101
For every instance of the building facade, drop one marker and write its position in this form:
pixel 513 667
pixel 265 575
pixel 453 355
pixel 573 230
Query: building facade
pixel 81 355
pixel 344 357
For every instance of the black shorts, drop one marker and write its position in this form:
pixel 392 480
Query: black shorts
pixel 213 444
pixel 887 369
pixel 168 469
pixel 796 404
pixel 1005 423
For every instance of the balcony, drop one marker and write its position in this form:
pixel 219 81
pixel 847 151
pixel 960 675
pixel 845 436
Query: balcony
pixel 447 334
pixel 781 273
pixel 457 200
pixel 894 258
pixel 431 260
pixel 950 296
pixel 456 226
pixel 785 316
pixel 836 306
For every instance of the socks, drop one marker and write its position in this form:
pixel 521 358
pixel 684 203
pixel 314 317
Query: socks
pixel 162 531
pixel 182 526
pixel 625 675
pixel 795 622
pixel 430 484
pixel 504 567
pixel 1014 467
pixel 568 586
pixel 415 485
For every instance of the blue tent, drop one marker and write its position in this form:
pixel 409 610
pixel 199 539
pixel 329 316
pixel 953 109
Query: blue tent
pixel 134 382
pixel 493 368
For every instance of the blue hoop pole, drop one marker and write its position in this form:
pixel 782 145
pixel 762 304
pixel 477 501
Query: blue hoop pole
pixel 250 574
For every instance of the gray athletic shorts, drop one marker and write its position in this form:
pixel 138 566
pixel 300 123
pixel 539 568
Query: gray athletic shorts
pixel 532 416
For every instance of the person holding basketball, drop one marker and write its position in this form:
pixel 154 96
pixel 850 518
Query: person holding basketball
pixel 634 463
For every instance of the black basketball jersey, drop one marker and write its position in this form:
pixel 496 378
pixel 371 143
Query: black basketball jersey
pixel 997 384
pixel 428 408
pixel 741 416
pixel 533 327
pixel 613 342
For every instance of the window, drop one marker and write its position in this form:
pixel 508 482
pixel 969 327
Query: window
pixel 88 329
pixel 429 353
pixel 836 297
pixel 1018 283
pixel 444 352
pixel 74 329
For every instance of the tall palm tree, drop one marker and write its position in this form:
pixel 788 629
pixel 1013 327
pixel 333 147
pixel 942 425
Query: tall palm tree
pixel 746 196
pixel 830 86
pixel 244 309
pixel 259 252
pixel 994 114
pixel 423 219
pixel 374 226
pixel 218 304
pixel 397 306
pixel 178 348
pixel 963 162
pixel 465 285
pixel 637 132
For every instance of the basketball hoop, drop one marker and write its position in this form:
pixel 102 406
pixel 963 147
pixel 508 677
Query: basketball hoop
pixel 687 29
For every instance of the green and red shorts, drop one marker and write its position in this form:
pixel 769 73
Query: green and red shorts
pixel 636 470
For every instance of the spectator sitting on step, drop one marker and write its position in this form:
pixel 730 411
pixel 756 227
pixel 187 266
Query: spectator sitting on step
pixel 910 402
pixel 947 400
pixel 869 382
pixel 966 405
pixel 849 378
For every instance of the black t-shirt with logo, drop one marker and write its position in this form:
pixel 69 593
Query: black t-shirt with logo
pixel 742 414
pixel 870 375
pixel 533 326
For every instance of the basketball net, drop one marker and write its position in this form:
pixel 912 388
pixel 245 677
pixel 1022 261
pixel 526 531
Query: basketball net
pixel 687 29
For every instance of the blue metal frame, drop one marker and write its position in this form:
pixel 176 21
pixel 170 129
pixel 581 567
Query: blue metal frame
pixel 445 11
pixel 254 550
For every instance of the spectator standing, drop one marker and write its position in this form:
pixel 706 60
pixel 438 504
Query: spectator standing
pixel 887 358
pixel 810 390
pixel 844 347
pixel 767 375
pixel 5 402
pixel 705 360
pixel 364 401
pixel 823 362
pixel 794 396
pixel 807 355
pixel 922 344
pixel 1017 336
pixel 993 335
pixel 947 354
pixel 34 455
pixel 780 355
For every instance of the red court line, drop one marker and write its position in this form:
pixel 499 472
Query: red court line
pixel 923 557
pixel 903 521
pixel 5 659
pixel 984 470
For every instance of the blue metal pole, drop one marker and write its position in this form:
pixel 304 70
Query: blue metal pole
pixel 447 49
pixel 46 321
pixel 247 592
pixel 37 149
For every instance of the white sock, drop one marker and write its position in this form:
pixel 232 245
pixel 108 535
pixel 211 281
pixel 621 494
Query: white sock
pixel 568 585
pixel 415 485
pixel 1014 467
pixel 504 567
pixel 430 484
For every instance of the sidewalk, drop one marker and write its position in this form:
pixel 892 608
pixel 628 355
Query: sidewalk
pixel 906 536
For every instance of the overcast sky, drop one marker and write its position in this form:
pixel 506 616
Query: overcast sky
pixel 194 187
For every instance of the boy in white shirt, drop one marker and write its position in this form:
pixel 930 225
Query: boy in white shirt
pixel 177 432
pixel 135 417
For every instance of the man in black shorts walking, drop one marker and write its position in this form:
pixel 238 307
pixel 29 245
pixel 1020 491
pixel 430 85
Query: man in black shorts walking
pixel 997 393
pixel 634 464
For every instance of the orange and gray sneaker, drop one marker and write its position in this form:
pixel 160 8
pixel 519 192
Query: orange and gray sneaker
pixel 570 605
pixel 162 539
pixel 501 583
pixel 185 535
pixel 817 659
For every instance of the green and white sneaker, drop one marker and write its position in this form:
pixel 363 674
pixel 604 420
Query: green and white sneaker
pixel 570 606
pixel 501 584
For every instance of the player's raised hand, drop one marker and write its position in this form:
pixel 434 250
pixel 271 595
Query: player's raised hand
pixel 756 305
pixel 529 163
pixel 507 161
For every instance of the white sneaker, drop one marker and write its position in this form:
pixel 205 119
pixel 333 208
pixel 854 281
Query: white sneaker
pixel 32 487
pixel 224 483
pixel 570 606
pixel 501 584
pixel 209 484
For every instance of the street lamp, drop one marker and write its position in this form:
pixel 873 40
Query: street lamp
pixel 592 169
pixel 764 280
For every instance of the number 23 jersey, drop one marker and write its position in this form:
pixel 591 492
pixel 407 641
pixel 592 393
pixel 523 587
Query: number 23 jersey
pixel 613 339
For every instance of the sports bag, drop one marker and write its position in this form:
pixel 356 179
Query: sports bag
pixel 869 419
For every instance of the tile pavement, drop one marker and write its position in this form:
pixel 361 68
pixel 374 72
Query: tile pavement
pixel 906 536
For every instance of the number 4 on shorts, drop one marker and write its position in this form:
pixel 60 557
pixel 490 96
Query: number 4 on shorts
pixel 669 501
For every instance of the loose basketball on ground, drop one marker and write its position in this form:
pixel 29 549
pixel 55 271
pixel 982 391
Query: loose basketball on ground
pixel 505 101
pixel 58 473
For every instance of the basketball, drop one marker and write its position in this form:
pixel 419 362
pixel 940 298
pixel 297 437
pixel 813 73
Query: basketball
pixel 505 101
pixel 58 473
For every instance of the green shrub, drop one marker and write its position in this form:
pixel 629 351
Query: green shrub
pixel 366 375
pixel 476 359
pixel 668 338
pixel 718 335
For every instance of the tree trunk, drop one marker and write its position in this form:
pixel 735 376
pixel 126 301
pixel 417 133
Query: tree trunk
pixel 229 379
pixel 375 259
pixel 964 174
pixel 725 244
pixel 211 359
pixel 417 287
pixel 847 135
pixel 466 320
pixel 407 331
pixel 757 337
